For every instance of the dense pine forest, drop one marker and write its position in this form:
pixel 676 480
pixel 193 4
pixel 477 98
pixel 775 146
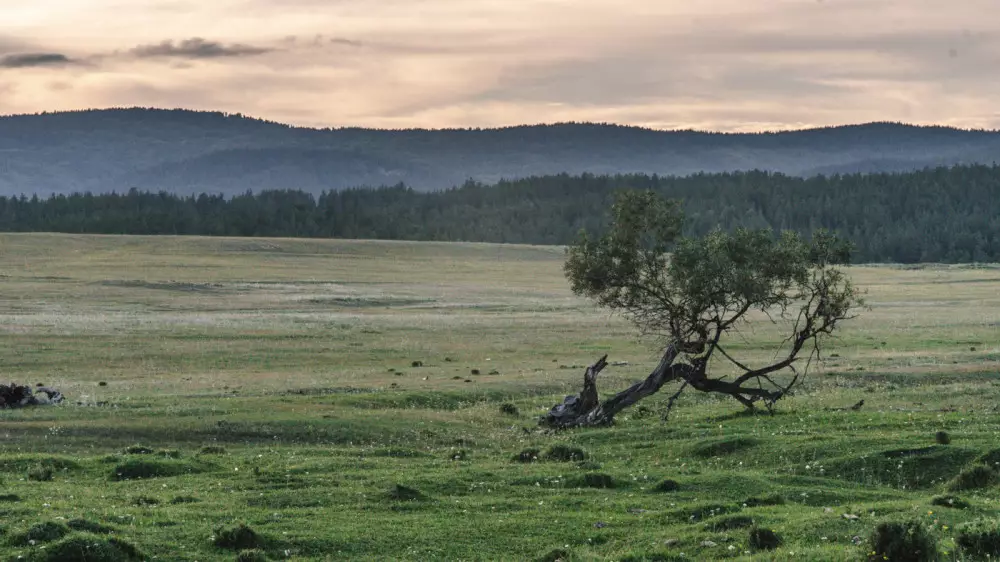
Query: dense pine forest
pixel 937 215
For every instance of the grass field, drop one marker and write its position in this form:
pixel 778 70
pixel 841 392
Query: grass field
pixel 213 382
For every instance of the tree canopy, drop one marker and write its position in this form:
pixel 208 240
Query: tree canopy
pixel 695 292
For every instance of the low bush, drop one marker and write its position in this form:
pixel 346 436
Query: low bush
pixel 902 542
pixel 980 538
pixel 764 539
pixel 974 478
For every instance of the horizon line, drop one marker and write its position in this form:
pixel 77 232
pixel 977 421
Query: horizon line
pixel 241 115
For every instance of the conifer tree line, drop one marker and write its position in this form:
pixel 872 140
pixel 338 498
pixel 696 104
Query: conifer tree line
pixel 949 215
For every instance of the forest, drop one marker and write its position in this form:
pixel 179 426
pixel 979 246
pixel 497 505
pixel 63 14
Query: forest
pixel 946 214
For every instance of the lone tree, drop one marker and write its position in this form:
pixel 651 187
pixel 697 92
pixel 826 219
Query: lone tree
pixel 696 293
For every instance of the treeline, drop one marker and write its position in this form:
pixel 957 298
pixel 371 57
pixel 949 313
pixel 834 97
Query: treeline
pixel 938 215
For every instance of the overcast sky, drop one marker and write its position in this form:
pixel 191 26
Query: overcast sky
pixel 707 64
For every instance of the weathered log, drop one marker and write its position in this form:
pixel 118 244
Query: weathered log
pixel 587 410
pixel 19 396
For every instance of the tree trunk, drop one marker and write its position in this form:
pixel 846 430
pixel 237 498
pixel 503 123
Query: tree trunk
pixel 586 409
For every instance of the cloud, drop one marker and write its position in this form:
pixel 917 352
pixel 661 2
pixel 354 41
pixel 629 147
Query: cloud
pixel 196 48
pixel 30 60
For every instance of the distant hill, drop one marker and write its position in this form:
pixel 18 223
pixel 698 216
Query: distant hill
pixel 187 152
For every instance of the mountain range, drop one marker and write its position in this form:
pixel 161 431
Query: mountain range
pixel 186 152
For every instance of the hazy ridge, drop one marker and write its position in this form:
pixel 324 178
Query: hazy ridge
pixel 187 152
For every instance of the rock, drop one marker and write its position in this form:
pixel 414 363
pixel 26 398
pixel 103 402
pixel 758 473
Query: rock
pixel 708 544
pixel 671 542
pixel 850 517
pixel 600 525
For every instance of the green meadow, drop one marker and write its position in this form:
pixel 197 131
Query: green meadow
pixel 372 400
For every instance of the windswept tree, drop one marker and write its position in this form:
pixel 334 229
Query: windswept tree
pixel 695 294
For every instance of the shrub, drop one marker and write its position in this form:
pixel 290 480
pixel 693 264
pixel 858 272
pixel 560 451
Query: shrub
pixel 980 538
pixel 565 453
pixel 240 537
pixel 598 480
pixel 40 473
pixel 942 438
pixel 979 476
pixel 902 542
pixel 667 485
pixel 255 555
pixel 89 548
pixel 764 539
pixel 474 371
pixel 527 455
pixel 417 364
pixel 950 501
pixel 102 383
pixel 509 409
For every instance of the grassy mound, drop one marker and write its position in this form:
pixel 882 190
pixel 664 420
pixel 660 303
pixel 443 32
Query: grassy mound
pixel 142 468
pixel 974 478
pixel 902 542
pixel 240 537
pixel 722 447
pixel 980 538
pixel 89 548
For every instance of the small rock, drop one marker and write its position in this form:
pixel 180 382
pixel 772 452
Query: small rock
pixel 494 372
pixel 827 510
pixel 857 540
pixel 850 517
pixel 709 544
pixel 600 525
pixel 636 510
pixel 671 542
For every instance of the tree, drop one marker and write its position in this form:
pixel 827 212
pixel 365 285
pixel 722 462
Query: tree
pixel 695 293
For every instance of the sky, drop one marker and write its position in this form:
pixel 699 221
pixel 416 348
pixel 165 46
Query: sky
pixel 730 65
